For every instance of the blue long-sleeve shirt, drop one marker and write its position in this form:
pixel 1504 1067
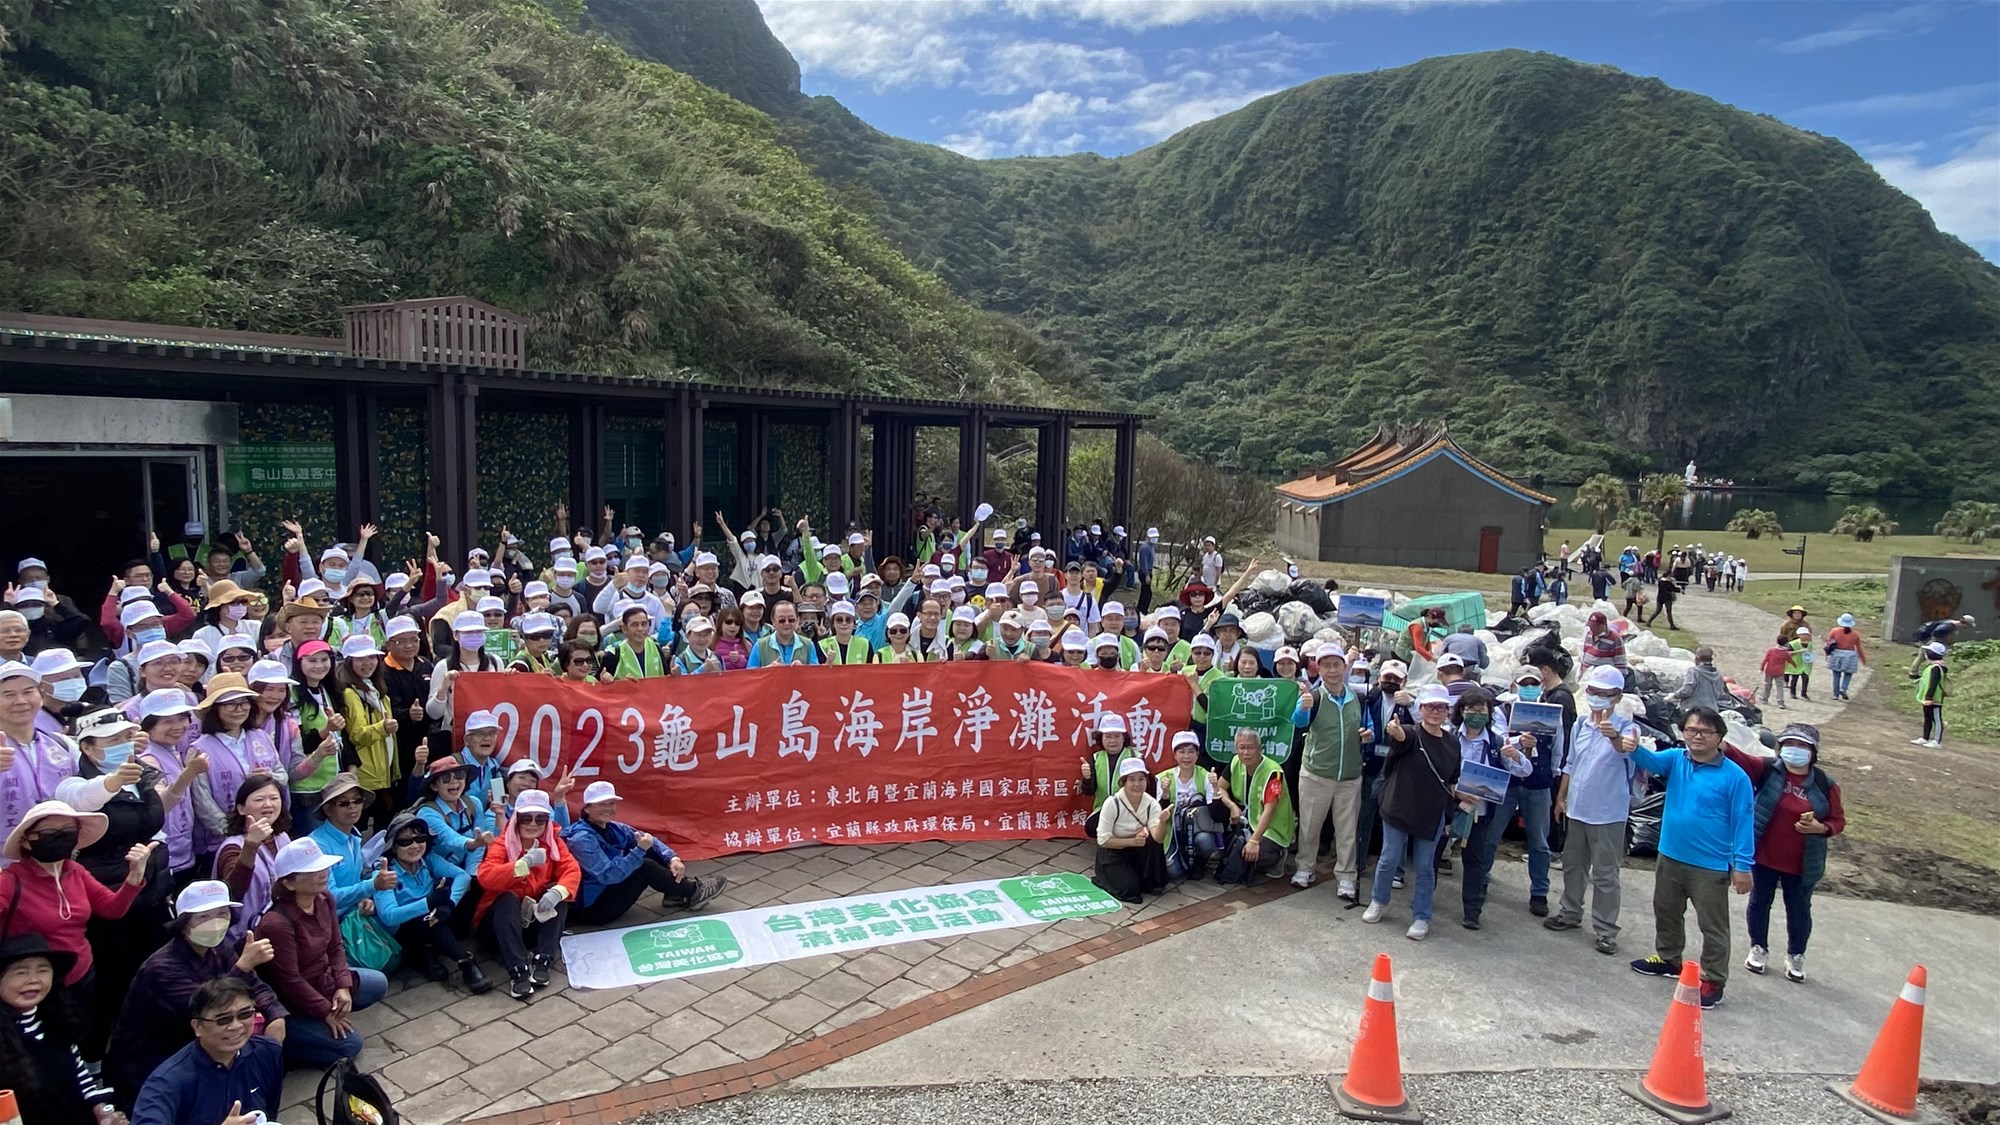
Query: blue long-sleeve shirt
pixel 352 879
pixel 452 831
pixel 410 899
pixel 1710 810
pixel 191 1087
pixel 608 855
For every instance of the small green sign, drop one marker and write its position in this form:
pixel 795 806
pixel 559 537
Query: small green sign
pixel 1049 898
pixel 668 951
pixel 1263 705
pixel 287 467
pixel 503 644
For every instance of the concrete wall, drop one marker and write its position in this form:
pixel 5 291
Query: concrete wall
pixel 1298 532
pixel 1926 589
pixel 61 420
pixel 1430 516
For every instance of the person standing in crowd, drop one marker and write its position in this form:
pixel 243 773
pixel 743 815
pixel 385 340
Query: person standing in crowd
pixel 45 889
pixel 259 827
pixel 1338 742
pixel 33 762
pixel 229 1074
pixel 1844 655
pixel 41 1031
pixel 1528 794
pixel 1798 670
pixel 1595 797
pixel 1931 694
pixel 784 645
pixel 406 674
pixel 1798 812
pixel 1417 794
pixel 371 727
pixel 308 969
pixel 1483 740
pixel 236 751
pixel 1130 828
pixel 619 863
pixel 1776 659
pixel 1257 806
pixel 529 880
pixel 1707 848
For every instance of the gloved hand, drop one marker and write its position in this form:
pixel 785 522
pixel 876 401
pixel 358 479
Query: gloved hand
pixel 440 896
pixel 545 907
pixel 536 856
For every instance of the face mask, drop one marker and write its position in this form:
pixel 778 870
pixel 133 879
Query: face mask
pixel 662 583
pixel 1358 682
pixel 447 579
pixel 32 612
pixel 977 574
pixel 1528 693
pixel 1600 702
pixel 208 934
pixel 115 755
pixel 1474 720
pixel 236 612
pixel 69 691
pixel 147 636
pixel 565 583
pixel 634 544
pixel 1797 757
pixel 54 846
pixel 471 642
pixel 334 575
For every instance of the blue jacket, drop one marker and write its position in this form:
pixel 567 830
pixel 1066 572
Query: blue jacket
pixel 1710 814
pixel 349 880
pixel 410 900
pixel 452 831
pixel 190 1087
pixel 608 855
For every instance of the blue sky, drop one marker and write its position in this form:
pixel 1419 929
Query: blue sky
pixel 1913 87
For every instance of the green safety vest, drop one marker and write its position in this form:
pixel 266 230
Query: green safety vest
pixel 773 655
pixel 1199 710
pixel 1333 738
pixel 629 666
pixel 1102 765
pixel 1251 799
pixel 857 650
pixel 1168 782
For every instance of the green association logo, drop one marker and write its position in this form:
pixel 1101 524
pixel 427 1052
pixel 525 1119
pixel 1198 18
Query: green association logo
pixel 667 951
pixel 1050 898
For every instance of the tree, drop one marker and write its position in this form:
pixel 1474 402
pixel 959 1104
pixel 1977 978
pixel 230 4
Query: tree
pixel 1755 523
pixel 1604 494
pixel 1974 521
pixel 1660 493
pixel 1186 499
pixel 1636 522
pixel 1864 522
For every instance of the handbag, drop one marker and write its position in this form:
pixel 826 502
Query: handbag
pixel 357 1098
pixel 368 944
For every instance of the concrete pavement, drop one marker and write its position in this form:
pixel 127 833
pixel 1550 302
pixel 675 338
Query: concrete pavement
pixel 1278 989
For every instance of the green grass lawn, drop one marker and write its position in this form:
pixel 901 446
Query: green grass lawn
pixel 1824 553
pixel 1826 601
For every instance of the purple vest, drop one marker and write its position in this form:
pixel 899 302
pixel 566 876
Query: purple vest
pixel 257 898
pixel 227 770
pixel 39 766
pixel 179 828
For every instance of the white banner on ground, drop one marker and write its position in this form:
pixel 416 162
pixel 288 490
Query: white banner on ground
pixel 740 939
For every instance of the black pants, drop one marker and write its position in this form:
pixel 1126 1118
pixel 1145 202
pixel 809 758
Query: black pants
pixel 1667 608
pixel 1145 593
pixel 513 941
pixel 613 901
pixel 1130 873
pixel 119 946
pixel 420 938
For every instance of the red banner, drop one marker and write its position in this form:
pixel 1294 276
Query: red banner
pixel 766 759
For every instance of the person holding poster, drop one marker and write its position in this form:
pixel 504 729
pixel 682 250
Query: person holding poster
pixel 1491 760
pixel 1130 827
pixel 1261 820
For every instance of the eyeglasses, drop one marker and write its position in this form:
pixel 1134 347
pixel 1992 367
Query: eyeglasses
pixel 1699 730
pixel 582 660
pixel 898 632
pixel 230 1019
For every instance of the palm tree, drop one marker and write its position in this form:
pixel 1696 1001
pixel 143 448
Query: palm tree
pixel 1661 493
pixel 1755 523
pixel 1637 522
pixel 1974 521
pixel 1603 494
pixel 1864 522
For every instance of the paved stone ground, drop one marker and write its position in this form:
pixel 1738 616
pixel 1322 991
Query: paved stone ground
pixel 446 1055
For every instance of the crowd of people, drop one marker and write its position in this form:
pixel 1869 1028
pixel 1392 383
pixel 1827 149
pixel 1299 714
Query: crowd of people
pixel 240 796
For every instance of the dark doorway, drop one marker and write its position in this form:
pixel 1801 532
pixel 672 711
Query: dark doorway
pixel 84 516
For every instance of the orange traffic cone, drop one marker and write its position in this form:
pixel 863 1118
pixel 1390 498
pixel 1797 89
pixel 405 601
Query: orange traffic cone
pixel 10 1110
pixel 1373 1087
pixel 1676 1085
pixel 1886 1089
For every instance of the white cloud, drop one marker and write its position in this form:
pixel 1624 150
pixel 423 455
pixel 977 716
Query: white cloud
pixel 1044 125
pixel 887 45
pixel 1921 101
pixel 1962 192
pixel 1040 63
pixel 1895 23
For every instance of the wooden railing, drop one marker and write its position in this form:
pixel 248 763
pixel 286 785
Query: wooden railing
pixel 455 330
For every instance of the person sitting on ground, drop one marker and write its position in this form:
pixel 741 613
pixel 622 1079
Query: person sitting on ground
pixel 418 908
pixel 1704 686
pixel 1186 791
pixel 41 1028
pixel 1257 806
pixel 1130 828
pixel 530 879
pixel 308 969
pixel 1707 849
pixel 459 827
pixel 227 1074
pixel 152 1024
pixel 620 863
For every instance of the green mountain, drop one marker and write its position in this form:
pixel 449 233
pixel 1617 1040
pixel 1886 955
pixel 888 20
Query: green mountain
pixel 1576 267
pixel 237 164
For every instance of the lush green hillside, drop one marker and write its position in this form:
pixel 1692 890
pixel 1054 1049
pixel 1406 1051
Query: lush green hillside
pixel 1577 267
pixel 227 162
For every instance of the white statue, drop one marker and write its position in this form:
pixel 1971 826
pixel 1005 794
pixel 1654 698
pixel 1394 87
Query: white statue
pixel 1690 472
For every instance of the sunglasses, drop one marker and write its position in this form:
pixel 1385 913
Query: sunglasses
pixel 1156 648
pixel 413 841
pixel 898 632
pixel 347 802
pixel 230 1019
pixel 582 660
pixel 532 818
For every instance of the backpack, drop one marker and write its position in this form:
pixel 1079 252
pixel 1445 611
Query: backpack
pixel 358 1099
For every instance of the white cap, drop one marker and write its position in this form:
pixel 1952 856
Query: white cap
pixel 137 611
pixel 1285 652
pixel 523 764
pixel 983 513
pixel 29 562
pixel 754 597
pixel 268 672
pixel 55 662
pixel 965 613
pixel 829 548
pixel 564 566
pixel 931 570
pixel 489 604
pixel 476 576
pixel 836 584
pixel 333 552
pixel 1156 634
pixel 534 800
pixel 1528 675
pixel 30 593
pixel 1202 643
pixel 1451 660
pixel 358 645
pixel 1936 648
pixel 1040 627
pixel 855 539
pixel 1104 640
pixel 202 895
pixel 535 590
pixel 1170 610
pixel 600 791
pixel 746 536
pixel 700 624
pixel 15 670
pixel 482 720
pixel 1096 529
pixel 1130 766
pixel 399 625
pixel 769 561
pixel 396 581
pixel 1011 618
pixel 897 621
pixel 158 703
pixel 1393 668
pixel 537 623
pixel 654 570
pixel 468 621
pixel 313 588
pixel 1186 738
pixel 559 546
pixel 241 641
pixel 1118 529
pixel 1154 533
pixel 131 594
pixel 593 554
pixel 1112 607
pixel 196 647
pixel 1605 678
pixel 940 586
pixel 1111 721
pixel 303 857
pixel 1073 641
pixel 839 608
pixel 997 590
pixel 156 650
pixel 1433 693
pixel 705 558
pixel 638 562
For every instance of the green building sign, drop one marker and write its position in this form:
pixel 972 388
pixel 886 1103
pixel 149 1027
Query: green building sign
pixel 286 467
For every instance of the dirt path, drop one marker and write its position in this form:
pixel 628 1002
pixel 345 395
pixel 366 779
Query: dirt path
pixel 1739 634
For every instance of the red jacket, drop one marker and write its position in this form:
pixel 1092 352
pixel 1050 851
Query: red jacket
pixel 496 873
pixel 107 618
pixel 309 960
pixel 1775 659
pixel 59 912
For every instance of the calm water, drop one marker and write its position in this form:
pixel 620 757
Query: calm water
pixel 1797 511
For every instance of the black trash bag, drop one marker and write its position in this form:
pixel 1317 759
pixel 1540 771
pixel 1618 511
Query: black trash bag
pixel 1510 627
pixel 1642 833
pixel 1256 601
pixel 1662 713
pixel 345 1081
pixel 1313 594
pixel 1645 681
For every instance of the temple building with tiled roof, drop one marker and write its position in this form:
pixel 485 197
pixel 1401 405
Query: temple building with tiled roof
pixel 1412 497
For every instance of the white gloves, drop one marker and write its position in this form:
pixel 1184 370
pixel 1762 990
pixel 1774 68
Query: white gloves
pixel 545 907
pixel 536 856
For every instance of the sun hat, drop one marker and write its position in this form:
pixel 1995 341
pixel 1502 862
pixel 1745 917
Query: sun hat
pixel 225 592
pixel 1800 732
pixel 600 791
pixel 357 646
pixel 1130 766
pixel 226 687
pixel 164 702
pixel 302 857
pixel 337 784
pixel 90 826
pixel 1845 621
pixel 23 946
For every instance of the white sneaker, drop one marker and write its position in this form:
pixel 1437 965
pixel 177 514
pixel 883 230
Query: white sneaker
pixel 1758 956
pixel 1795 968
pixel 1304 877
pixel 1346 889
pixel 1933 743
pixel 1419 930
pixel 1920 742
pixel 1373 913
